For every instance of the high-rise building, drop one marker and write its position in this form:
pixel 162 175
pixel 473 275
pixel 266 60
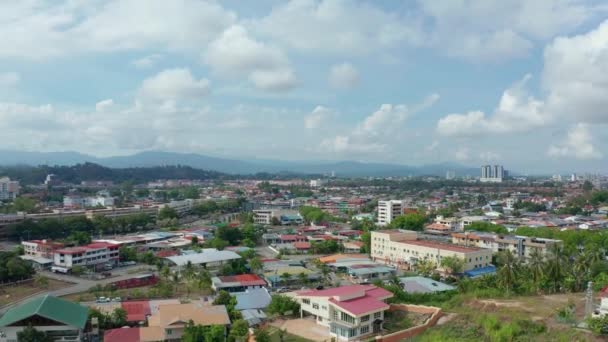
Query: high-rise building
pixel 450 174
pixel 388 210
pixel 8 189
pixel 492 173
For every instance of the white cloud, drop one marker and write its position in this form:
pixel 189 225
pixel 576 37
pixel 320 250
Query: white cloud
pixel 9 79
pixel 489 156
pixel 37 30
pixel 496 30
pixel 235 53
pixel 343 76
pixel 462 154
pixel 235 123
pixel 315 118
pixel 336 27
pixel 147 61
pixel 174 84
pixel 516 112
pixel 378 130
pixel 574 75
pixel 432 146
pixel 104 105
pixel 578 144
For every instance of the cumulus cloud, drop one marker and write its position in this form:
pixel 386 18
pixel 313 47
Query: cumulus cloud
pixel 336 27
pixel 462 154
pixel 315 118
pixel 104 105
pixel 517 111
pixel 378 130
pixel 578 144
pixel 495 30
pixel 48 29
pixel 343 76
pixel 9 79
pixel 147 61
pixel 174 84
pixel 235 53
pixel 574 75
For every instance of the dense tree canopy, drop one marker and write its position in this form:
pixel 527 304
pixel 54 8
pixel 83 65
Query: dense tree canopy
pixel 14 268
pixel 413 221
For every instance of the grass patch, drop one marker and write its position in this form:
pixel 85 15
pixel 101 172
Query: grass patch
pixel 10 294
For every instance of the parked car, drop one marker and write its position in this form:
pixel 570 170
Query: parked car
pixel 282 290
pixel 117 299
pixel 320 287
pixel 106 274
pixel 102 300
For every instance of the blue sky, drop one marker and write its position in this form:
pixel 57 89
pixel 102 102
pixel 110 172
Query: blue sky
pixel 522 83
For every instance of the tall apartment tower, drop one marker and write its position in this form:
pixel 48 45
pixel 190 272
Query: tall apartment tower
pixel 388 210
pixel 492 173
pixel 8 189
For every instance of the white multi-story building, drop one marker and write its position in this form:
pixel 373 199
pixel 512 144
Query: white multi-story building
pixel 76 201
pixel 388 210
pixel 354 312
pixel 317 183
pixel 90 255
pixel 492 173
pixel 8 189
pixel 263 216
pixel 41 248
pixel 403 249
pixel 521 246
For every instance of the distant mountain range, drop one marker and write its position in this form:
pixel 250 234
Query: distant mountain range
pixel 232 166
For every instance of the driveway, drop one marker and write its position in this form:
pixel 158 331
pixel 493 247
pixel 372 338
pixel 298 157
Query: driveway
pixel 304 327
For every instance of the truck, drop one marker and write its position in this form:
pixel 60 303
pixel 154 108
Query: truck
pixel 59 269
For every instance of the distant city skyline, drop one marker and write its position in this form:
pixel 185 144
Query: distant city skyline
pixel 519 83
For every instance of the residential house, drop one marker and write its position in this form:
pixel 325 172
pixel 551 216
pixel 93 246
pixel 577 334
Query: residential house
pixel 351 312
pixel 61 319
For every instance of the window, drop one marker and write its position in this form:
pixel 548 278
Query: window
pixel 169 331
pixel 352 332
pixel 347 318
pixel 324 307
pixel 365 318
pixel 315 306
pixel 378 315
pixel 364 330
pixel 306 301
pixel 333 329
pixel 335 315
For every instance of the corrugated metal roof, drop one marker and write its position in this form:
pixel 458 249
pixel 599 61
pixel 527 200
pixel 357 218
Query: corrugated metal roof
pixel 53 308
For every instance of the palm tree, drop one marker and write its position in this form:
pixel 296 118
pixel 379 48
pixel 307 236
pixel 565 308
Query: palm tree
pixel 188 270
pixel 536 266
pixel 325 271
pixel 204 280
pixel 255 264
pixel 303 278
pixel 285 277
pixel 556 266
pixel 508 270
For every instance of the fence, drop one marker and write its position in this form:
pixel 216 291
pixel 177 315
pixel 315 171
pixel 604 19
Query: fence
pixel 14 283
pixel 436 313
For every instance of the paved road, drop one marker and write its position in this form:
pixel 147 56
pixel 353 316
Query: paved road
pixel 81 284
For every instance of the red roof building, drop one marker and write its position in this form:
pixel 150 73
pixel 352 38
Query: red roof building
pixel 136 310
pixel 122 335
pixel 237 283
pixel 352 312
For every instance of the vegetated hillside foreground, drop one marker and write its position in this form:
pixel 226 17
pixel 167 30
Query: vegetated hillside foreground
pixel 533 318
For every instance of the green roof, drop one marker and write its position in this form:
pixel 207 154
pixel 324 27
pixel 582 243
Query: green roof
pixel 53 308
